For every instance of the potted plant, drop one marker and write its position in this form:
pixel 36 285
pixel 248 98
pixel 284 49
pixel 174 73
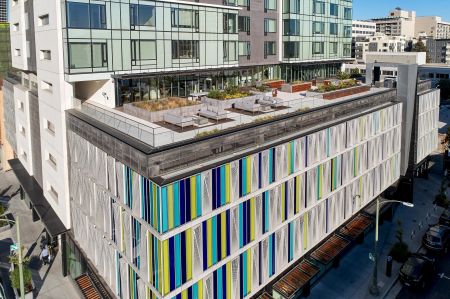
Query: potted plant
pixel 27 281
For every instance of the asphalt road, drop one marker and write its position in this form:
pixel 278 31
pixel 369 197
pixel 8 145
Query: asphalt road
pixel 438 288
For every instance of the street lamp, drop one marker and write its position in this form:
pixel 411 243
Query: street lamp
pixel 374 286
pixel 19 246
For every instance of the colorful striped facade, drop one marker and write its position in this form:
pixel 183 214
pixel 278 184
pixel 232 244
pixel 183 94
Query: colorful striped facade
pixel 227 231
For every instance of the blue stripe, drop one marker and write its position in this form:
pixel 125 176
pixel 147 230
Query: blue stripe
pixel 205 250
pixel 214 192
pixel 176 204
pixel 222 185
pixel 218 233
pixel 228 231
pixel 214 239
pixel 188 200
pixel 183 257
pixel 240 177
pixel 241 225
pixel 172 264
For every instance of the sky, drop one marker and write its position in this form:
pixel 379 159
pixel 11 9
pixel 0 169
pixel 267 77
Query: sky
pixel 367 9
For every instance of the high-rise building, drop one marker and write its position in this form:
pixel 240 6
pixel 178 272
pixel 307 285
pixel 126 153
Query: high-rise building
pixel 3 11
pixel 363 28
pixel 433 27
pixel 153 201
pixel 379 43
pixel 398 23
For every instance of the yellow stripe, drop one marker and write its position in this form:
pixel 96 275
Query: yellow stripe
pixel 166 266
pixel 193 198
pixel 227 182
pixel 188 254
pixel 252 218
pixel 249 271
pixel 170 204
pixel 228 269
pixel 305 231
pixel 209 244
pixel 184 294
pixel 223 229
pixel 249 174
pixel 282 202
pixel 200 289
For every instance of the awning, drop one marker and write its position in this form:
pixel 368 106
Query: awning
pixel 39 204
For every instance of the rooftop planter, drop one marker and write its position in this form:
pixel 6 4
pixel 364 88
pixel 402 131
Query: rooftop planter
pixel 154 111
pixel 296 87
pixel 226 98
pixel 274 83
pixel 345 92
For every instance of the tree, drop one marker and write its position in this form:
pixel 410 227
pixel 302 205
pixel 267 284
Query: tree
pixel 354 73
pixel 444 86
pixel 420 47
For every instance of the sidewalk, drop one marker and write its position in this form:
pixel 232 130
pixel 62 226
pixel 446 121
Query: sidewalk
pixel 354 275
pixel 48 279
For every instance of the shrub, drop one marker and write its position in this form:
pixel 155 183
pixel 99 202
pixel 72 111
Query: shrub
pixel 400 252
pixel 15 278
pixel 343 75
pixel 263 118
pixel 303 109
pixel 165 104
pixel 206 133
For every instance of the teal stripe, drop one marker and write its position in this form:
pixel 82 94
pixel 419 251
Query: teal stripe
pixel 292 156
pixel 158 207
pixel 270 256
pixel 195 291
pixel 291 243
pixel 244 273
pixel 155 260
pixel 266 212
pixel 270 166
pixel 214 239
pixel 198 193
pixel 176 204
pixel 164 209
pixel 244 176
pixel 178 260
pixel 219 283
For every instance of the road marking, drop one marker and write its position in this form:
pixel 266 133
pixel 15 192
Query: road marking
pixel 442 275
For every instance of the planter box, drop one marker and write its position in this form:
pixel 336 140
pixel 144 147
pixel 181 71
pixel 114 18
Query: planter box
pixel 275 83
pixel 28 295
pixel 299 87
pixel 155 116
pixel 224 104
pixel 345 92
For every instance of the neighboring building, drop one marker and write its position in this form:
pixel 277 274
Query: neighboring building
pixel 434 72
pixel 151 210
pixel 3 11
pixel 379 43
pixel 6 151
pixel 438 50
pixel 363 28
pixel 432 27
pixel 398 23
pixel 5 49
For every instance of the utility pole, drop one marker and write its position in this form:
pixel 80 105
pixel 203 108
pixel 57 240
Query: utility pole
pixel 19 244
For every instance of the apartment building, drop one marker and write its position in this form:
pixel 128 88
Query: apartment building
pixel 438 50
pixel 379 43
pixel 3 11
pixel 433 27
pixel 150 210
pixel 398 23
pixel 363 28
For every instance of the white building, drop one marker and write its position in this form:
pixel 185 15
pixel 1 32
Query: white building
pixel 379 43
pixel 398 22
pixel 363 28
pixel 432 26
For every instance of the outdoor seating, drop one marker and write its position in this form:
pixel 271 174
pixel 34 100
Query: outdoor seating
pixel 272 102
pixel 213 112
pixel 246 105
pixel 178 120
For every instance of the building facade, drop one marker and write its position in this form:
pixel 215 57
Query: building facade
pixel 432 27
pixel 363 28
pixel 379 43
pixel 3 11
pixel 439 50
pixel 398 22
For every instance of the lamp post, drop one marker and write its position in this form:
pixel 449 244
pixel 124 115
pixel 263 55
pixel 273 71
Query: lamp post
pixel 19 246
pixel 374 286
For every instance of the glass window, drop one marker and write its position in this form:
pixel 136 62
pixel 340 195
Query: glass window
pixel 270 4
pixel 317 47
pixel 77 12
pixel 229 23
pixel 347 31
pixel 270 48
pixel 347 50
pixel 185 49
pixel 244 49
pixel 184 18
pixel 229 2
pixel 245 3
pixel 142 15
pixel 76 15
pixel 229 51
pixel 97 13
pixel 333 48
pixel 291 27
pixel 333 29
pixel 319 7
pixel 142 50
pixel 334 9
pixel 347 13
pixel 291 49
pixel 270 25
pixel 291 6
pixel 87 55
pixel 318 27
pixel 244 24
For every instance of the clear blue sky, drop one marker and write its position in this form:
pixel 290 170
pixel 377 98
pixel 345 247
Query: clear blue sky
pixel 367 9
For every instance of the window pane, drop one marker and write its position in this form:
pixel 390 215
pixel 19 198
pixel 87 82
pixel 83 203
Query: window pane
pixel 76 15
pixel 229 23
pixel 244 24
pixel 98 16
pixel 80 55
pixel 183 49
pixel 333 48
pixel 142 15
pixel 291 27
pixel 99 57
pixel 291 6
pixel 334 9
pixel 270 4
pixel 333 28
pixel 229 51
pixel 270 25
pixel 147 49
pixel 318 27
pixel 291 50
pixel 319 7
pixel 270 48
pixel 347 13
pixel 317 47
pixel 243 2
pixel 244 48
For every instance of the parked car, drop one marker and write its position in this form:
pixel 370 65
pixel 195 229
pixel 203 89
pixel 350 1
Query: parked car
pixel 445 218
pixel 417 271
pixel 2 291
pixel 437 238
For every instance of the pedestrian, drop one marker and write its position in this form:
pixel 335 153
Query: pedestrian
pixel 45 256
